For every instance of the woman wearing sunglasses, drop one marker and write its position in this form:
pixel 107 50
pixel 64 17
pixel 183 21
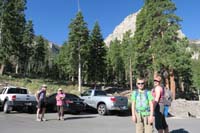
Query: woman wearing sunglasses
pixel 158 94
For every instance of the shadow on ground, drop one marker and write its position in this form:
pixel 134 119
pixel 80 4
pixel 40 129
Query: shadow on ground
pixel 73 118
pixel 181 130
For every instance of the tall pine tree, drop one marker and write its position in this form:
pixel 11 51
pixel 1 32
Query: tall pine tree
pixel 78 37
pixel 97 55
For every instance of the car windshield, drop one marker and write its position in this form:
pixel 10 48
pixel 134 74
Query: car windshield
pixel 17 91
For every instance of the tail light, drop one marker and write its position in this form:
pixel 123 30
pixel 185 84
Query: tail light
pixel 68 101
pixel 113 99
pixel 13 97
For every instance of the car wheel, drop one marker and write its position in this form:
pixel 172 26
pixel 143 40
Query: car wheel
pixel 32 110
pixel 101 109
pixel 76 112
pixel 6 107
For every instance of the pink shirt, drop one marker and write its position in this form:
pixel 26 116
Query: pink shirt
pixel 60 99
pixel 161 94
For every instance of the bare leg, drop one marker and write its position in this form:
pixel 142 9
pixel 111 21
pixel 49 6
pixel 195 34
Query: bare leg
pixel 62 113
pixel 43 111
pixel 38 114
pixel 167 130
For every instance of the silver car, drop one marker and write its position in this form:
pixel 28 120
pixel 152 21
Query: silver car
pixel 104 103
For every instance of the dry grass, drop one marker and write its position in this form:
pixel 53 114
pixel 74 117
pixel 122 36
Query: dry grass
pixel 34 85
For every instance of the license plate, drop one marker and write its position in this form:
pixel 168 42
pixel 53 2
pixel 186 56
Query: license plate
pixel 123 107
pixel 28 104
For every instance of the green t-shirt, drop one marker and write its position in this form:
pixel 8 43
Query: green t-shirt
pixel 142 101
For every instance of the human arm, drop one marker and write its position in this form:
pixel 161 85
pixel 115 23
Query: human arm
pixel 63 96
pixel 151 118
pixel 157 95
pixel 133 99
pixel 134 119
pixel 37 96
pixel 151 106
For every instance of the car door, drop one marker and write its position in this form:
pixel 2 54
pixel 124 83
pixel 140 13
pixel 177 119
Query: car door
pixel 1 96
pixel 87 97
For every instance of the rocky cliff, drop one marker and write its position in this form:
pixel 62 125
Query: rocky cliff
pixel 129 23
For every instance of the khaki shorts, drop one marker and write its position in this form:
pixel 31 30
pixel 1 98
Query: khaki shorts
pixel 142 125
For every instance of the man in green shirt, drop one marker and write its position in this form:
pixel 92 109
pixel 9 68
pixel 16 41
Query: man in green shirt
pixel 142 108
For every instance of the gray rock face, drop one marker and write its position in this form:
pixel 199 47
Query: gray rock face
pixel 185 109
pixel 129 23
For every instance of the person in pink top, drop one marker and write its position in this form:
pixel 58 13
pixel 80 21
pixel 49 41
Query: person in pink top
pixel 158 94
pixel 60 102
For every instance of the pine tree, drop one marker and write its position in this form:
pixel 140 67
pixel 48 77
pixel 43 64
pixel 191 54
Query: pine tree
pixel 12 28
pixel 116 61
pixel 63 62
pixel 78 37
pixel 97 55
pixel 38 57
pixel 27 49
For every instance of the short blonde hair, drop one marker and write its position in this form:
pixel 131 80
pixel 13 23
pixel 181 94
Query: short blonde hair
pixel 157 78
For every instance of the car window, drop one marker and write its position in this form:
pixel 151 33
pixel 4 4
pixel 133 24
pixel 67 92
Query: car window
pixel 1 90
pixel 87 93
pixel 17 91
pixel 71 96
pixel 100 93
pixel 52 95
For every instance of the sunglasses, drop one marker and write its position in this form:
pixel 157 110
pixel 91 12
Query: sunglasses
pixel 156 80
pixel 140 83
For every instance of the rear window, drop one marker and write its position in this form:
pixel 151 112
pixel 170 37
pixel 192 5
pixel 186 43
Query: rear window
pixel 71 96
pixel 100 93
pixel 17 91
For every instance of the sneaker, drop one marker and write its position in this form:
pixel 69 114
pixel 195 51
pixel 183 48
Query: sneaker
pixel 44 119
pixel 38 119
pixel 62 119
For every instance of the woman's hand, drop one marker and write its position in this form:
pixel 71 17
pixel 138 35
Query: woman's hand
pixel 150 119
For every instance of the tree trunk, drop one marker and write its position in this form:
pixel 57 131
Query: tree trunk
pixel 131 77
pixel 2 69
pixel 166 82
pixel 172 84
pixel 79 70
pixel 16 68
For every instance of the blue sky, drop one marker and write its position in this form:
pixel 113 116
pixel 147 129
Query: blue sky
pixel 51 18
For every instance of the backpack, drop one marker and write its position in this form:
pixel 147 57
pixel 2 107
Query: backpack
pixel 167 98
pixel 147 108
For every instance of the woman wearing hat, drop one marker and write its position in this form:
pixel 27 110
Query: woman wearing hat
pixel 158 94
pixel 60 102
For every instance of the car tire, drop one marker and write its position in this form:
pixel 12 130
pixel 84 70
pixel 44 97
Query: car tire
pixel 32 110
pixel 6 107
pixel 101 109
